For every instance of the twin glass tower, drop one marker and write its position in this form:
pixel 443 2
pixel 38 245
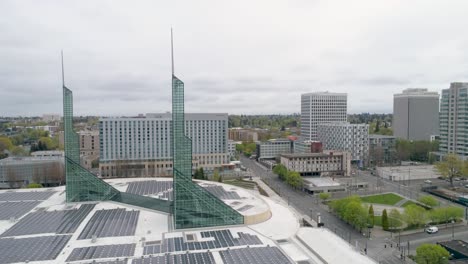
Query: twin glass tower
pixel 192 206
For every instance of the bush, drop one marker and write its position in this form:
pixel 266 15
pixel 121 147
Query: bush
pixel 428 200
pixel 324 196
pixel 34 185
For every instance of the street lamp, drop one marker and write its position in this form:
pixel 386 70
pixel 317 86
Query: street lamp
pixel 453 234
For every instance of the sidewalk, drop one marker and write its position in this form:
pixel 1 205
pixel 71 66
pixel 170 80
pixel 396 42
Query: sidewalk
pixel 278 199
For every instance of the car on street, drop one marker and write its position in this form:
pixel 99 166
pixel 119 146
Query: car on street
pixel 432 229
pixel 428 181
pixel 466 186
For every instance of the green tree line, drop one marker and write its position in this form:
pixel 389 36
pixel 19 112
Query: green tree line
pixel 292 178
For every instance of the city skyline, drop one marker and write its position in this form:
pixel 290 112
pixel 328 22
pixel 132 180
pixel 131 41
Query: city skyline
pixel 237 56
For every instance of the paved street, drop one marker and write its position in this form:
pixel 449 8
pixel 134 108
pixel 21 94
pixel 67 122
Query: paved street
pixel 383 249
pixel 444 234
pixel 310 205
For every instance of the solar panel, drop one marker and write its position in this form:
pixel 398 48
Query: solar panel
pixel 109 262
pixel 32 248
pixel 221 193
pixel 149 187
pixel 60 222
pixel 16 209
pixel 111 223
pixel 107 251
pixel 245 208
pixel 222 238
pixel 186 258
pixel 25 196
pixel 257 255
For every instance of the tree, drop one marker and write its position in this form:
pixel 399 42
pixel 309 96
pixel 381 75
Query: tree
pixel 428 200
pixel 216 175
pixel 324 196
pixel 415 215
pixel 351 210
pixel 394 218
pixel 294 179
pixel 431 254
pixel 202 174
pixel 5 144
pixel 355 214
pixel 220 179
pixel 451 167
pixel 385 220
pixel 19 151
pixel 281 171
pixel 371 215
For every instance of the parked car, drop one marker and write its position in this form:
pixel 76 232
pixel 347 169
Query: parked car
pixel 428 181
pixel 432 229
pixel 456 179
pixel 466 186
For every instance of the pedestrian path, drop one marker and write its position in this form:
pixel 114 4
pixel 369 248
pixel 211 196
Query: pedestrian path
pixel 401 202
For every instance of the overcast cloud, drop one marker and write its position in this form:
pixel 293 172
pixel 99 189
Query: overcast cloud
pixel 239 57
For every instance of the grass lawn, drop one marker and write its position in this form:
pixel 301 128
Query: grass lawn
pixel 378 221
pixel 409 203
pixel 387 198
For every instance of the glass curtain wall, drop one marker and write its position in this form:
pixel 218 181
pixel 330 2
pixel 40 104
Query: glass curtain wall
pixel 193 206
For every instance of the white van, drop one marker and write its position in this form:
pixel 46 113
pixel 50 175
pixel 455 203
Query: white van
pixel 432 229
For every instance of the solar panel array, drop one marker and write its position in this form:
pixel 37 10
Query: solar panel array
pixel 107 251
pixel 25 196
pixel 222 239
pixel 221 193
pixel 257 255
pixel 149 187
pixel 111 223
pixel 187 258
pixel 31 248
pixel 245 208
pixel 16 209
pixel 60 222
pixel 118 261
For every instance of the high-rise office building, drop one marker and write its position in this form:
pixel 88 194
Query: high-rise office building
pixel 415 114
pixel 343 136
pixel 454 120
pixel 321 107
pixel 142 146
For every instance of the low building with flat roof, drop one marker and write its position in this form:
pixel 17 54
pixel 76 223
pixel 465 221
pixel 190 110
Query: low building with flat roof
pixel 457 248
pixel 328 163
pixel 322 185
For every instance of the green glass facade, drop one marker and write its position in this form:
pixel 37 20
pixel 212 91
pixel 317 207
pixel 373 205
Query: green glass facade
pixel 193 206
pixel 82 185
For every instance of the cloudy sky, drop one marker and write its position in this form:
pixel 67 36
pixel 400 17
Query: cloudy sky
pixel 239 57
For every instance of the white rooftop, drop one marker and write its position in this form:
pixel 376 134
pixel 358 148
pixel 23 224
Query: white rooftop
pixel 276 228
pixel 321 182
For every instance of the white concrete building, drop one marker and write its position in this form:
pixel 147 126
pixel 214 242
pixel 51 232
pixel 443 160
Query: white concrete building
pixel 321 107
pixel 328 163
pixel 273 148
pixel 343 136
pixel 142 146
pixel 232 147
